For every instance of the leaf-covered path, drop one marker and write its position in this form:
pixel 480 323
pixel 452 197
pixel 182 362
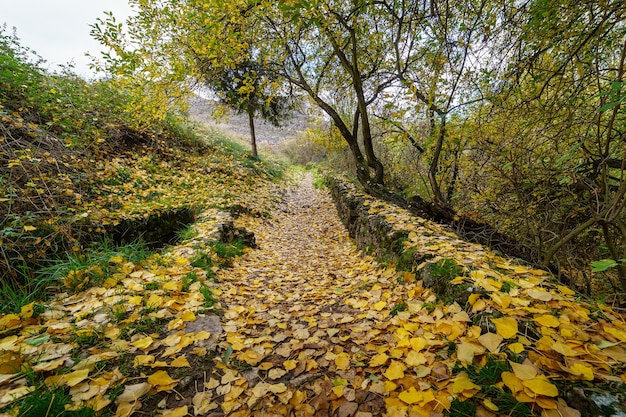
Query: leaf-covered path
pixel 287 315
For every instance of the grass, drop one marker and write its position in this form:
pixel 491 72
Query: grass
pixel 488 377
pixel 46 401
pixel 92 266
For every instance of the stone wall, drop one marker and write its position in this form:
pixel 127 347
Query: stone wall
pixel 370 229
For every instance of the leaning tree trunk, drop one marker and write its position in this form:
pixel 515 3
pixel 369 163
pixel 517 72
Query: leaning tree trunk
pixel 255 154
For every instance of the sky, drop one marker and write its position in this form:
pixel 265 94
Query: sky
pixel 58 30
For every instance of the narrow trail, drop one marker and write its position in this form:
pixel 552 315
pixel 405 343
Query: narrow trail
pixel 299 311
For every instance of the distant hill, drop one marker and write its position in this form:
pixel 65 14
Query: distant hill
pixel 201 110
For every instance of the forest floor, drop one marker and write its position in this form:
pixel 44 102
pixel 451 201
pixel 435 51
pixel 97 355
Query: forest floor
pixel 307 325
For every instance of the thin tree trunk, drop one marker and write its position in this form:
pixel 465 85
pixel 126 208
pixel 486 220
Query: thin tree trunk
pixel 255 154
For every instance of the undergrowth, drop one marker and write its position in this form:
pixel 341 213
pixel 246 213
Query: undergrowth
pixel 74 164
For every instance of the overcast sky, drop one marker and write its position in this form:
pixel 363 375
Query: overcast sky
pixel 58 30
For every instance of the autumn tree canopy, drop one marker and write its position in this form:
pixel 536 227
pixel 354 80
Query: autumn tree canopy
pixel 503 107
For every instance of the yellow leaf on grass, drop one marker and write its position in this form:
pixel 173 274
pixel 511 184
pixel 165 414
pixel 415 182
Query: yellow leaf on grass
pixel 379 359
pixel 540 385
pixel 395 370
pixel 580 369
pixel 143 343
pixel 143 360
pixel 133 392
pixel 523 372
pixel 173 286
pixel 516 348
pixel 547 320
pixel 342 361
pixel 491 341
pixel 465 352
pixel 154 301
pixel 506 327
pixel 27 310
pixel 463 385
pixel 512 382
pixel 490 405
pixel 15 394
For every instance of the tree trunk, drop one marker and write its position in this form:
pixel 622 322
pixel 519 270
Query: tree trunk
pixel 434 165
pixel 255 154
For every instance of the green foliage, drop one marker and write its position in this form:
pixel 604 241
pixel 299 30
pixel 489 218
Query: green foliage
pixel 46 401
pixel 92 266
pixel 487 377
pixel 209 298
pixel 604 264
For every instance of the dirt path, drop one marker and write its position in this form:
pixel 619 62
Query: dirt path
pixel 299 314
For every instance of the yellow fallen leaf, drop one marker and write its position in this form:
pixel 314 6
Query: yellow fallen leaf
pixel 506 327
pixel 143 360
pixel 616 333
pixel 516 347
pixel 188 316
pixel 202 403
pixel 547 320
pixel 411 396
pixel 564 349
pixel 491 341
pixel 338 390
pixel 180 362
pixel 143 343
pixel 415 358
pixel 133 392
pixel 512 382
pixel 540 295
pixel 278 388
pixel 173 286
pixel 378 360
pixel 380 305
pixel 161 378
pixel 290 364
pixel 27 310
pixel 540 385
pixel 395 370
pixel 463 385
pixel 580 369
pixel 522 371
pixel 342 361
pixel 15 394
pixel 154 301
pixel 465 352
pixel 490 405
pixel 390 386
pixel 276 373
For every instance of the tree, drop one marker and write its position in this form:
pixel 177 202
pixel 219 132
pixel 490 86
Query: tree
pixel 247 88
